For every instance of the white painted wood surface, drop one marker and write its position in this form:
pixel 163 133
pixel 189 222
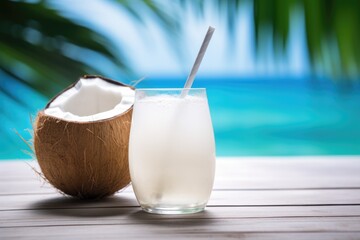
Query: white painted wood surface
pixel 253 198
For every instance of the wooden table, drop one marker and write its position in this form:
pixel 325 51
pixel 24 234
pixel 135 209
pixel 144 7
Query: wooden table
pixel 253 198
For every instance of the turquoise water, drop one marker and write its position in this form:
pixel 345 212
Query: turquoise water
pixel 251 117
pixel 282 117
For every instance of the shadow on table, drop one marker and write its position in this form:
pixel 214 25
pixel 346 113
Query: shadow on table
pixel 67 206
pixel 196 219
pixel 116 206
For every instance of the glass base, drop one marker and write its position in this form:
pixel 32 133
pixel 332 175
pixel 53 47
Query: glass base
pixel 172 210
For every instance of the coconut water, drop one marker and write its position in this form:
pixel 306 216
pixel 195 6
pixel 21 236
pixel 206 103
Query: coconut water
pixel 172 151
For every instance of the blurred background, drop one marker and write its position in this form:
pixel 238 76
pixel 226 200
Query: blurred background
pixel 282 76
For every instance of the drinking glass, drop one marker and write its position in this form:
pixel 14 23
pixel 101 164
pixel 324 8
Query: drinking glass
pixel 172 150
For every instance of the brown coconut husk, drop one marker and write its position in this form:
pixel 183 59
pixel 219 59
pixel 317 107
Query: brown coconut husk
pixel 84 159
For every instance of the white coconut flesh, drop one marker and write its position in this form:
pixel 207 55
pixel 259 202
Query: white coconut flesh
pixel 91 100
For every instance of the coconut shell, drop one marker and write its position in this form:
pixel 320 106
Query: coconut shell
pixel 84 159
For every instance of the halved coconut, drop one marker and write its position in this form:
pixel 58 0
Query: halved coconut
pixel 81 138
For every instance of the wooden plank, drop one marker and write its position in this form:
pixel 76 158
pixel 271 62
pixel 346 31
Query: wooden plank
pixel 103 216
pixel 254 198
pixel 136 227
pixel 288 172
pixel 218 198
pixel 16 169
pixel 17 177
pixel 12 234
pixel 25 186
pixel 237 166
pixel 37 186
pixel 228 235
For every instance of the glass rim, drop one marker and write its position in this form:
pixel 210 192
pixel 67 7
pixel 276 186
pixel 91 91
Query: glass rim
pixel 167 89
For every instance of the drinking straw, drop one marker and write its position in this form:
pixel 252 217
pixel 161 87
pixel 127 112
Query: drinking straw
pixel 197 62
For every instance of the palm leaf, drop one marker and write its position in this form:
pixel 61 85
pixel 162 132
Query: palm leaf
pixel 35 36
pixel 330 25
pixel 331 29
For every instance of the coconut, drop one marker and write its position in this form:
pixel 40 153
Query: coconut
pixel 81 138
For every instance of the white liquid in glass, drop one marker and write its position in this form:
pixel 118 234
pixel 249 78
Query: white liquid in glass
pixel 172 153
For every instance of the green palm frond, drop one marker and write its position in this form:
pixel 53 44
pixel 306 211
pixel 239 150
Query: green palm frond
pixel 33 36
pixel 34 40
pixel 331 29
pixel 168 21
pixel 162 16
